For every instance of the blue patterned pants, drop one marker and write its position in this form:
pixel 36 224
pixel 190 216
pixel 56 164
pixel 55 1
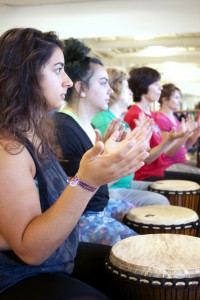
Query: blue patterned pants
pixel 105 227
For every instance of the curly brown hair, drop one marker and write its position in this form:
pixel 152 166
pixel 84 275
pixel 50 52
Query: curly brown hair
pixel 23 106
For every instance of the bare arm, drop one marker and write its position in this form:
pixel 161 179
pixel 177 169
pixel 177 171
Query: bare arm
pixel 155 152
pixel 188 136
pixel 176 145
pixel 165 146
pixel 33 235
pixel 193 137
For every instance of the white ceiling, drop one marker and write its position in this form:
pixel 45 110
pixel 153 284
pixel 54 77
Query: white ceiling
pixel 111 28
pixel 41 2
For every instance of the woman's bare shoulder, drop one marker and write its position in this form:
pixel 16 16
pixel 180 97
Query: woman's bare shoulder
pixel 19 197
pixel 14 155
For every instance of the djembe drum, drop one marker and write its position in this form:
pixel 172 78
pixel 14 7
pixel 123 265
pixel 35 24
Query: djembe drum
pixel 179 192
pixel 155 267
pixel 163 219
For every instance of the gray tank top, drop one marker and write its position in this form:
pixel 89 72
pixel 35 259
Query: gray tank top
pixel 52 180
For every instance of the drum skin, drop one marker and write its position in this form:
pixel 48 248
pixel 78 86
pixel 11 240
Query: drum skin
pixel 179 192
pixel 156 267
pixel 163 219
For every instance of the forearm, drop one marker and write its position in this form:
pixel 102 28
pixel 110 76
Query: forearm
pixel 155 152
pixel 193 138
pixel 55 225
pixel 176 145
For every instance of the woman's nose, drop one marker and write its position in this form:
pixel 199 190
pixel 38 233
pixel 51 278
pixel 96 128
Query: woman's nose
pixel 110 90
pixel 67 81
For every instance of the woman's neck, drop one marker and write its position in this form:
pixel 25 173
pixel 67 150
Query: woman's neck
pixel 117 110
pixel 169 113
pixel 145 106
pixel 81 112
pixel 166 111
pixel 84 116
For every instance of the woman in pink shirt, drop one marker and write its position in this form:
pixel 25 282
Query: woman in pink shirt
pixel 170 100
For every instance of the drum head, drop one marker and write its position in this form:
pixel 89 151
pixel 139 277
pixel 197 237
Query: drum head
pixel 158 255
pixel 162 215
pixel 175 185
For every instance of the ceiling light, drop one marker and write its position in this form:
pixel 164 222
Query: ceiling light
pixel 160 51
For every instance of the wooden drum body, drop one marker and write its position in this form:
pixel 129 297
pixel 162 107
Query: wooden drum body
pixel 179 192
pixel 163 219
pixel 156 267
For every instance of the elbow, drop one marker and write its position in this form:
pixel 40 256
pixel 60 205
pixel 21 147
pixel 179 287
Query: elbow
pixel 32 260
pixel 169 155
pixel 149 160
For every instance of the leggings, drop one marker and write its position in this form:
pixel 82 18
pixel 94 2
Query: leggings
pixel 106 227
pixel 89 268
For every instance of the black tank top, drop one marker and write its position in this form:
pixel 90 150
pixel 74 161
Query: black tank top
pixel 52 180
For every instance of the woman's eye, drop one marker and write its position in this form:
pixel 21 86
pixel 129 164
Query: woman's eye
pixel 104 83
pixel 59 70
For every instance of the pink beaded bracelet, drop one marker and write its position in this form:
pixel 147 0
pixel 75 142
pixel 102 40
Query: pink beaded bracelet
pixel 74 181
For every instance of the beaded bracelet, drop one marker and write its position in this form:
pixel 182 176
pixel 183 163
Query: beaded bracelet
pixel 74 181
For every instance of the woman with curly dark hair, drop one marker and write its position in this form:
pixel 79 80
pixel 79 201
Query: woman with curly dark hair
pixel 39 209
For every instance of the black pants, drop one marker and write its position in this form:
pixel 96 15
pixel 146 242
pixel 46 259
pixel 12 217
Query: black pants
pixel 89 271
pixel 90 266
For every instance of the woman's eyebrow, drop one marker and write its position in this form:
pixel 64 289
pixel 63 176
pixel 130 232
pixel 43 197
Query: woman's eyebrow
pixel 59 63
pixel 104 78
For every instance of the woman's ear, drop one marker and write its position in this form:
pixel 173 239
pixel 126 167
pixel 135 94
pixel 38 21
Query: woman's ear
pixel 79 89
pixel 83 94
